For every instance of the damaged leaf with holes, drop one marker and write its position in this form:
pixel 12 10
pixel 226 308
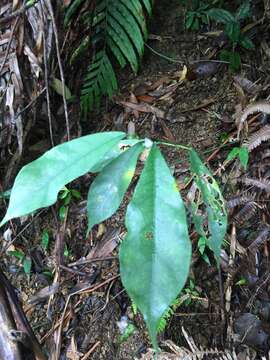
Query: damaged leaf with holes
pixel 214 202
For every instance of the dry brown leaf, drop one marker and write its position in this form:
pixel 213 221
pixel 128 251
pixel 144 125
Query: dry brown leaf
pixel 247 85
pixel 205 103
pixel 44 293
pixel 146 98
pixel 145 108
pixel 169 135
pixel 106 245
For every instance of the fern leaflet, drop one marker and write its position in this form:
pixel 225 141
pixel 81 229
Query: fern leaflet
pixel 120 29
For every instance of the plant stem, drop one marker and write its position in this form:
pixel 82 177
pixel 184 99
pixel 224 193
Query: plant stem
pixel 174 145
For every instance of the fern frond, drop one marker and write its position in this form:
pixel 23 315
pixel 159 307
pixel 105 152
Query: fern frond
pixel 263 184
pixel 246 213
pixel 148 5
pixel 120 28
pixel 167 315
pixel 99 81
pixel 262 237
pixel 71 10
pixel 240 200
pixel 258 137
pixel 136 9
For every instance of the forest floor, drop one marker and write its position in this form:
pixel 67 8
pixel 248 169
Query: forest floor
pixel 198 111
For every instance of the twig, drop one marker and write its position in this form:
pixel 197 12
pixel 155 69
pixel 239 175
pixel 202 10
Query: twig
pixel 86 290
pixel 30 104
pixel 216 151
pixel 47 84
pixel 228 286
pixel 49 4
pixel 88 261
pixel 89 352
pixel 72 270
pixel 20 233
pixel 164 56
pixel 9 45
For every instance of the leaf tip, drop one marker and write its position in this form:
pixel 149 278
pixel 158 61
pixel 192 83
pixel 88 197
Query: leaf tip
pixel 89 228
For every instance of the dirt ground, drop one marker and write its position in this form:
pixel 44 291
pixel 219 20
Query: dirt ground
pixel 198 113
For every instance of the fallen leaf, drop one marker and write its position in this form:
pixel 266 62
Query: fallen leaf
pixel 145 108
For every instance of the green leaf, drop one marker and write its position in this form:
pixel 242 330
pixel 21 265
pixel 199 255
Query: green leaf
pixel 198 220
pixel 148 5
pixel 243 11
pixel 5 194
pixel 225 55
pixel 243 156
pixel 27 264
pixel 119 28
pixel 56 84
pixel 100 80
pixel 17 253
pixel 39 182
pixel 136 9
pixel 130 329
pixel 109 187
pixel 246 43
pixel 241 282
pixel 232 30
pixel 113 153
pixel 120 37
pixel 235 61
pixel 221 15
pixel 202 244
pixel 156 253
pixel 189 20
pixel 73 7
pixel 66 251
pixel 129 24
pixel 214 202
pixel 233 154
pixel 45 239
pixel 62 212
pixel 196 24
pixel 76 194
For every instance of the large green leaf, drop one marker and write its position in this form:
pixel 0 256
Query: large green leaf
pixel 215 204
pixel 39 182
pixel 113 153
pixel 155 255
pixel 109 187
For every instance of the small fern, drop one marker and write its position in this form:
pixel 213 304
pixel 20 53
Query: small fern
pixel 165 317
pixel 119 29
pixel 168 314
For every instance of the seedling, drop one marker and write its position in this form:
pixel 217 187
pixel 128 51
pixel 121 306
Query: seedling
pixel 157 241
pixel 241 152
pixel 232 28
pixel 197 15
pixel 24 260
pixel 192 293
pixel 66 196
pixel 45 239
